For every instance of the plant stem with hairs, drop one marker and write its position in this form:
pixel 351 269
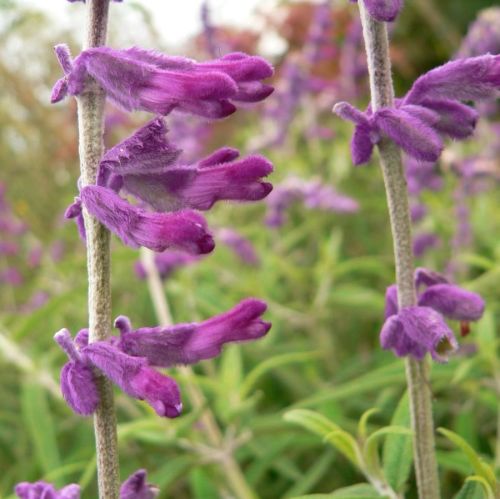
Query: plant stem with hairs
pixel 230 467
pixel 382 95
pixel 90 130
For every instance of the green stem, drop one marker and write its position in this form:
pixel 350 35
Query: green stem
pixel 90 129
pixel 382 95
pixel 230 467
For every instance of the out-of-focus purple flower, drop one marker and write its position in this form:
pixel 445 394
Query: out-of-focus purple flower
pixel 190 343
pixel 57 251
pixel 422 176
pixel 241 246
pixel 429 110
pixel 138 79
pixel 208 30
pixel 8 248
pixel 137 227
pixel 37 300
pixel 35 257
pixel 11 276
pixel 136 487
pixel 353 68
pixel 314 195
pixel 167 262
pixel 420 329
pixel 423 242
pixel 44 490
pixel 483 36
pixel 383 10
pixel 318 37
pixel 417 212
pixel 145 165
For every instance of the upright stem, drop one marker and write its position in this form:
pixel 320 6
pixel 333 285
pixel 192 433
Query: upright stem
pixel 90 130
pixel 382 95
pixel 214 435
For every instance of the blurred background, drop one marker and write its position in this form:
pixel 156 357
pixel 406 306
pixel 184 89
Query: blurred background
pixel 318 250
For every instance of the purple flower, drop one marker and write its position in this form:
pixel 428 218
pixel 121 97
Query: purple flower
pixel 241 246
pixel 423 242
pixel 137 227
pixel 314 194
pixel 483 36
pixel 383 10
pixel 429 110
pixel 44 490
pixel 190 343
pixel 416 331
pixel 166 263
pixel 138 79
pixel 146 165
pixel 136 487
pixel 420 329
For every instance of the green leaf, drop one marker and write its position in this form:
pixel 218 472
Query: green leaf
pixel 363 421
pixel 201 485
pixel 398 449
pixel 40 424
pixel 370 450
pixel 328 430
pixel 358 491
pixel 484 484
pixel 470 490
pixel 481 468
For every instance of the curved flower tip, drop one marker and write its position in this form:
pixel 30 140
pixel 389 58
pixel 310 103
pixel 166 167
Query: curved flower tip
pixel 416 331
pixel 136 487
pixel 453 302
pixel 138 79
pixel 384 10
pixel 137 227
pixel 190 343
pixel 44 490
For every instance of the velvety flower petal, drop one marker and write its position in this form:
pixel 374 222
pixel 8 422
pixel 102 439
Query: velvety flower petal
pixel 135 378
pixel 410 133
pixel 348 112
pixel 59 91
pixel 146 151
pixel 391 301
pixel 424 327
pixel 426 277
pixel 463 79
pixel 198 188
pixel 137 227
pixel 44 490
pixel 222 155
pixel 384 10
pixel 453 302
pixel 361 145
pixel 455 119
pixel 136 487
pixel 190 343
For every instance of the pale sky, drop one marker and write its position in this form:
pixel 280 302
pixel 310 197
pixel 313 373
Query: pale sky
pixel 175 20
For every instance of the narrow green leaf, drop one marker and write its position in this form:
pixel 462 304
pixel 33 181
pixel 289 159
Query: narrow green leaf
pixel 398 449
pixel 40 426
pixel 358 491
pixel 471 490
pixel 484 484
pixel 201 485
pixel 346 444
pixel 363 422
pixel 481 468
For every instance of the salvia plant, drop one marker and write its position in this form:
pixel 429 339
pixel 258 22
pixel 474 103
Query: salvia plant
pixel 149 190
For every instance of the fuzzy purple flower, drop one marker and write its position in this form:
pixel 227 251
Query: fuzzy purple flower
pixel 44 490
pixel 420 329
pixel 383 10
pixel 138 79
pixel 423 242
pixel 137 227
pixel 241 246
pixel 136 487
pixel 430 110
pixel 192 342
pixel 146 165
pixel 483 36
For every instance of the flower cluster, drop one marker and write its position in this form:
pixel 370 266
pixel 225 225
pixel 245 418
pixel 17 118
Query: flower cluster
pixel 429 111
pixel 147 166
pixel 421 329
pixel 128 361
pixel 134 487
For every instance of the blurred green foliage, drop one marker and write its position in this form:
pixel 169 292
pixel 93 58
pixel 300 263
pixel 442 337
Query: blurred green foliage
pixel 324 277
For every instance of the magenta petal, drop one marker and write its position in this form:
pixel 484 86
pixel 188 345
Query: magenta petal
pixel 222 155
pixel 190 343
pixel 391 301
pixel 361 145
pixel 78 388
pixel 137 227
pixel 453 302
pixel 393 337
pixel 410 133
pixel 384 10
pixel 136 487
pixel 463 79
pixel 426 277
pixel 44 490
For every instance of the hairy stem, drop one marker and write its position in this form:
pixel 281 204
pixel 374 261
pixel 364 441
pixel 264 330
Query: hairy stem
pixel 230 467
pixel 382 95
pixel 90 130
